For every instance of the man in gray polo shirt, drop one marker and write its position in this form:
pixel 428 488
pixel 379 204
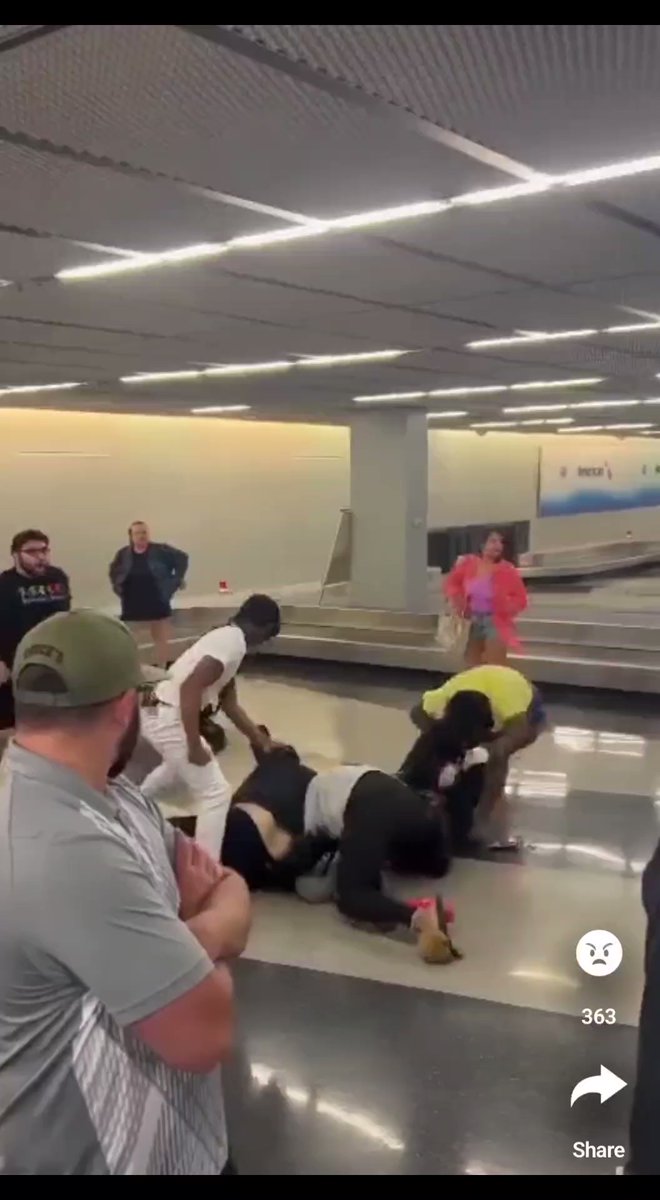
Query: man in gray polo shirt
pixel 115 1006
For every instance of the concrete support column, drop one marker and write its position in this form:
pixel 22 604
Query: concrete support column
pixel 389 502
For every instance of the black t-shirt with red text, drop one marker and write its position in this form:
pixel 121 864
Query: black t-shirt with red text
pixel 25 601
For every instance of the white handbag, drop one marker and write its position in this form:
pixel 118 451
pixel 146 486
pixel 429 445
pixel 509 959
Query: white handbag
pixel 452 634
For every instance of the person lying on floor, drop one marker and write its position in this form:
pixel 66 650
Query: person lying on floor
pixel 375 819
pixel 371 818
pixel 520 718
pixel 428 766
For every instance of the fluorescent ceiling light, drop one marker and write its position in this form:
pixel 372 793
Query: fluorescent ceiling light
pixel 547 421
pixel 257 368
pixel 468 391
pixel 508 192
pixel 361 220
pixel 581 429
pixel 640 328
pixel 221 408
pixel 142 262
pixel 490 389
pixel 389 396
pixel 329 360
pixel 374 217
pixel 528 408
pixel 40 387
pixel 528 422
pixel 522 339
pixel 248 368
pixel 494 424
pixel 631 425
pixel 254 241
pixel 556 383
pixel 609 428
pixel 537 408
pixel 617 170
pixel 604 404
pixel 562 335
pixel 379 216
pixel 159 376
pixel 444 416
pixel 652 400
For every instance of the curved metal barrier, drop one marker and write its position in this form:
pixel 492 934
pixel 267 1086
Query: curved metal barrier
pixel 589 560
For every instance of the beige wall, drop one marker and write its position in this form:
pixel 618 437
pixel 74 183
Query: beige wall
pixel 253 503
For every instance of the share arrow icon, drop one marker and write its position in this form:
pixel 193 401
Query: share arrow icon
pixel 605 1085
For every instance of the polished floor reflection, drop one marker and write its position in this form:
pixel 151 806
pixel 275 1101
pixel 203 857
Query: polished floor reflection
pixel 339 1076
pixel 357 1058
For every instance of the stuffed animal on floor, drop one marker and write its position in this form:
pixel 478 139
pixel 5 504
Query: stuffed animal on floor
pixel 436 946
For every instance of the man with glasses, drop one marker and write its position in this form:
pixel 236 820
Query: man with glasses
pixel 30 591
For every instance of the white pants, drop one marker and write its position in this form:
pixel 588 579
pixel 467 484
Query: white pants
pixel 208 788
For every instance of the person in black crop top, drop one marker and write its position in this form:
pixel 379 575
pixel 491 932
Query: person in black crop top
pixel 264 836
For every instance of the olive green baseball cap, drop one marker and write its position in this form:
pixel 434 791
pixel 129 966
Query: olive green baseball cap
pixel 91 658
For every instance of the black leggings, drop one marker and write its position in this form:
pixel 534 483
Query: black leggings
pixel 385 822
pixel 462 799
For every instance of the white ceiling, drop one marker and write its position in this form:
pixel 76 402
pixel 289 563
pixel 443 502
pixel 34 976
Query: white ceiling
pixel 152 137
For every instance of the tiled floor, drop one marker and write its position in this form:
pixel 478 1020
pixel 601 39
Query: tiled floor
pixel 339 1076
pixel 356 1057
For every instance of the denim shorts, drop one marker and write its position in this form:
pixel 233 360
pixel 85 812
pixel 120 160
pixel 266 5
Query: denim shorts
pixel 482 628
pixel 536 713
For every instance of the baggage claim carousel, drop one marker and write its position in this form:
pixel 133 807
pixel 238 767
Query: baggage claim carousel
pixel 593 621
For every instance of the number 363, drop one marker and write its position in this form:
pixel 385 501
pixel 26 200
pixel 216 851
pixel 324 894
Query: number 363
pixel 598 1016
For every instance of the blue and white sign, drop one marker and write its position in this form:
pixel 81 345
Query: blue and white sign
pixel 578 478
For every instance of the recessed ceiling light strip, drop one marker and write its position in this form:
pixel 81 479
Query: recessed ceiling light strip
pixel 535 408
pixel 538 184
pixel 491 389
pixel 529 408
pixel 582 429
pixel 599 428
pixel 519 424
pixel 469 391
pixel 560 335
pixel 39 387
pixel 265 368
pixel 159 376
pixel 533 384
pixel 331 360
pixel 631 425
pixel 217 409
pixel 604 404
pixel 389 396
pixel 494 424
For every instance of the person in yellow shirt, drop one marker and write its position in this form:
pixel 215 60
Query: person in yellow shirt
pixel 519 717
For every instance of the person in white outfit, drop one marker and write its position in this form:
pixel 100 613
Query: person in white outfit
pixel 205 674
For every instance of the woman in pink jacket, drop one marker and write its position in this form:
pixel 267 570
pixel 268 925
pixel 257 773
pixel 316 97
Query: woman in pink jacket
pixel 488 590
